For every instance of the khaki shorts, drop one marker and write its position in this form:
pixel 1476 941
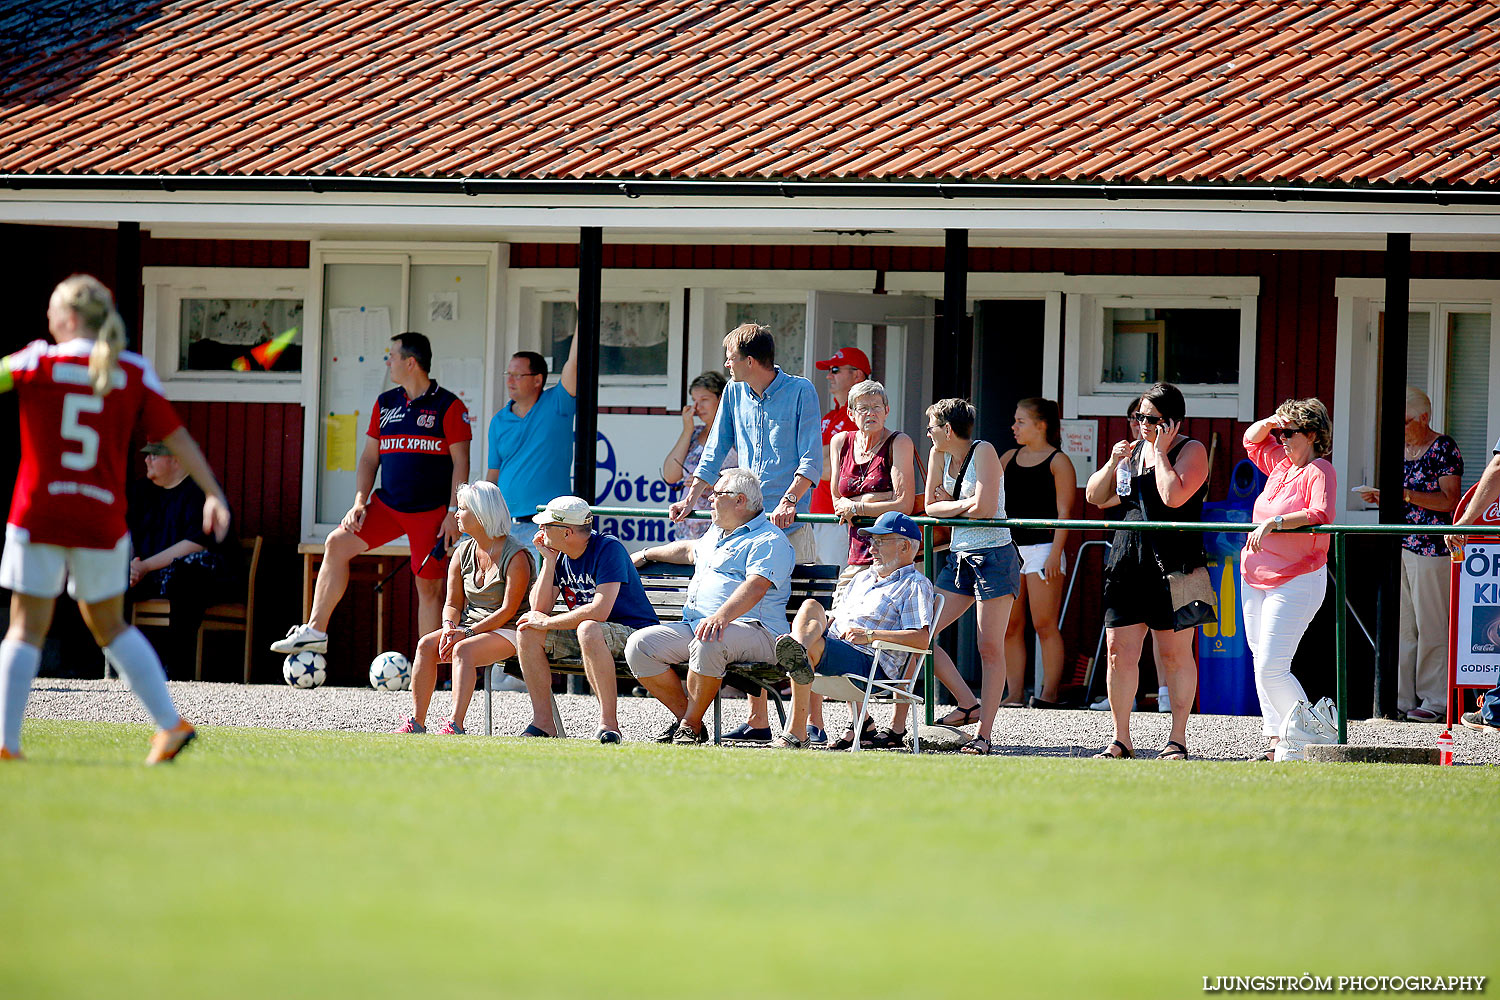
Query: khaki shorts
pixel 804 543
pixel 562 644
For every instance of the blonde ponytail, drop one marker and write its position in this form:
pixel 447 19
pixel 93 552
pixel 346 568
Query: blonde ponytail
pixel 95 308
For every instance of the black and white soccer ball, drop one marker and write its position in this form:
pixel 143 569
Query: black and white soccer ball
pixel 305 669
pixel 390 671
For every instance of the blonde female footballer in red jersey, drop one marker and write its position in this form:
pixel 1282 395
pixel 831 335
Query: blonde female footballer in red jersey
pixel 80 400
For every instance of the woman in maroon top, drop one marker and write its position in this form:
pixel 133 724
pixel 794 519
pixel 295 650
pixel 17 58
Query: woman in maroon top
pixel 873 472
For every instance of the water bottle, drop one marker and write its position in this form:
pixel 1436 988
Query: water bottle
pixel 1445 749
pixel 1122 478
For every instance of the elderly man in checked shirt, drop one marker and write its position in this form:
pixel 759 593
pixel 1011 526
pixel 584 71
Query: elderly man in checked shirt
pixel 893 603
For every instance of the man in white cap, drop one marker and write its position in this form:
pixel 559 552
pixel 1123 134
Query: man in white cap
pixel 606 603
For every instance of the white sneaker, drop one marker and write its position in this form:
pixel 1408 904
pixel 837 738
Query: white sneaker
pixel 300 638
pixel 509 683
pixel 1102 705
pixel 1163 700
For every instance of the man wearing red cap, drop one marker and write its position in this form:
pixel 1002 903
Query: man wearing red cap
pixel 847 368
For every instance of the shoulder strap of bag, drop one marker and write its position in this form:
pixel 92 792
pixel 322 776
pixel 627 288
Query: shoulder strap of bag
pixel 958 480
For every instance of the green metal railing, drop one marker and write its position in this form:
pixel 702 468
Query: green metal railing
pixel 1337 563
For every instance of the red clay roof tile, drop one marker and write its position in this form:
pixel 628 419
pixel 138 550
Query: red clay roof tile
pixel 1255 91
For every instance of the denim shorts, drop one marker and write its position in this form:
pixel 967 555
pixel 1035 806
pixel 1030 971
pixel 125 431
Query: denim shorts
pixel 843 658
pixel 982 573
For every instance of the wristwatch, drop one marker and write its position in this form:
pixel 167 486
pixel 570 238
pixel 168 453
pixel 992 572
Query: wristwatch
pixel 788 498
pixel 1277 521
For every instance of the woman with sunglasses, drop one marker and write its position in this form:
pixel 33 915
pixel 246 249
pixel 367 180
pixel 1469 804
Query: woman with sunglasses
pixel 1285 575
pixel 1161 477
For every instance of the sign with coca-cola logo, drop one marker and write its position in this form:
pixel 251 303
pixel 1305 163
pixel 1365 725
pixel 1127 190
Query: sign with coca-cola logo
pixel 1475 642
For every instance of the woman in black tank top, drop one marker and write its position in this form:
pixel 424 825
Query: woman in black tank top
pixel 1162 477
pixel 1040 482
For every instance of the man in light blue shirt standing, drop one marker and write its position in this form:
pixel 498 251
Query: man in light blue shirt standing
pixel 531 437
pixel 772 420
pixel 736 607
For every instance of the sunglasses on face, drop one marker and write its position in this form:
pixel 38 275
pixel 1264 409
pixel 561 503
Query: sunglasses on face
pixel 1281 433
pixel 1149 419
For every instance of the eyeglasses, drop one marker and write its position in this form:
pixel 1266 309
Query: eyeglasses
pixel 1147 418
pixel 835 369
pixel 723 493
pixel 515 375
pixel 1280 433
pixel 861 410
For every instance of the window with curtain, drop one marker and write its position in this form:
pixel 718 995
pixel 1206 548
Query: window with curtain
pixel 632 336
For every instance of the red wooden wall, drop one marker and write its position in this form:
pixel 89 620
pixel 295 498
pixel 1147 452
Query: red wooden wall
pixel 257 447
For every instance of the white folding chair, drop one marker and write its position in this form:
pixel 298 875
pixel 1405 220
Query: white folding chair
pixel 904 690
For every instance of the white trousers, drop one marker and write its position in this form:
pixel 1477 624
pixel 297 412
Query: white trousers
pixel 1275 621
pixel 1422 667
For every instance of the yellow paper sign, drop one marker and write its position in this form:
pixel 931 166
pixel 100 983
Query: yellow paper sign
pixel 341 431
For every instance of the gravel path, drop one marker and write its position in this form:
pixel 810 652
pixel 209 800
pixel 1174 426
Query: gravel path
pixel 1017 731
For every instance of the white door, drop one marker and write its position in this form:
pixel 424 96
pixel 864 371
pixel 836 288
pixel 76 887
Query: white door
pixel 894 331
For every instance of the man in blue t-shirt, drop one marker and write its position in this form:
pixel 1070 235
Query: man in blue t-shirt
pixel 531 438
pixel 606 603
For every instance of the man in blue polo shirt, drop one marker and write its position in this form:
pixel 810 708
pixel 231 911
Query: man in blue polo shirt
pixel 531 439
pixel 736 607
pixel 418 440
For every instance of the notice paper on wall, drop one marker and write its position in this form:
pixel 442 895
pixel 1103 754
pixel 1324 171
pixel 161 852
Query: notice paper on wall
pixel 360 334
pixel 1080 442
pixel 342 432
pixel 464 377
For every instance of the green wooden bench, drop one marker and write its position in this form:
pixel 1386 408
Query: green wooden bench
pixel 666 586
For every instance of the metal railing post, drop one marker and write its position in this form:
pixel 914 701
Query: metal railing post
pixel 929 679
pixel 1341 637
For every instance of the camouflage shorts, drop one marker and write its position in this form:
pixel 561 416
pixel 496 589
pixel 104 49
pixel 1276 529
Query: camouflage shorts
pixel 562 644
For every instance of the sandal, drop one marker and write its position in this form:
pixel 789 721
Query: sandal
pixel 885 739
pixel 1172 751
pixel 847 740
pixel 965 716
pixel 537 732
pixel 978 746
pixel 786 741
pixel 1124 754
pixel 1269 753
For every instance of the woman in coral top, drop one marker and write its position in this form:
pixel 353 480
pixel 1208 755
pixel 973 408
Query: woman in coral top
pixel 1286 574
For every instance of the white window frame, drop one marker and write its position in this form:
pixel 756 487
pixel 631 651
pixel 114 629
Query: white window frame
pixel 166 287
pixel 1084 395
pixel 1360 302
pixel 708 293
pixel 991 286
pixel 492 256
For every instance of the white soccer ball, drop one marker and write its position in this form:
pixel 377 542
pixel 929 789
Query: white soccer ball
pixel 305 669
pixel 390 671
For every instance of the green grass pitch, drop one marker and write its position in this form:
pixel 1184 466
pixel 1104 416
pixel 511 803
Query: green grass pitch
pixel 282 863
